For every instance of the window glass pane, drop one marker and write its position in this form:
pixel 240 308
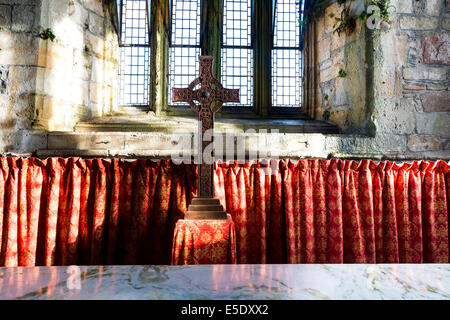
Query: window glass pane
pixel 134 69
pixel 185 45
pixel 186 22
pixel 134 75
pixel 287 26
pixel 237 19
pixel 286 55
pixel 237 52
pixel 134 22
pixel 184 68
pixel 237 73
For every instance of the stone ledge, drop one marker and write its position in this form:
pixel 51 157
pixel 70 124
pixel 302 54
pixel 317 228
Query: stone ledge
pixel 283 145
pixel 148 123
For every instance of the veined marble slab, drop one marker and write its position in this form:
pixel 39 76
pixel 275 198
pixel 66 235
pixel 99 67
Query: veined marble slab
pixel 348 281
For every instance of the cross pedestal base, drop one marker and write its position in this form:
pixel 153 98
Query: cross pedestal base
pixel 205 208
pixel 204 242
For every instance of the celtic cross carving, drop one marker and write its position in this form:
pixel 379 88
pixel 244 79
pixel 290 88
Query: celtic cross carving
pixel 206 95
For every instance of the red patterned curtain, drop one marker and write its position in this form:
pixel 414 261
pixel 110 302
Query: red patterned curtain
pixel 77 211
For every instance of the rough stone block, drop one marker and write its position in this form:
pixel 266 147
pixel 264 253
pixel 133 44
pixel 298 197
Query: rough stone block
pixel 4 73
pixel 82 65
pixel 341 116
pixel 12 2
pixel 86 140
pixel 95 45
pixel 324 48
pixel 410 86
pixel 96 24
pixel 341 92
pixel 327 74
pixel 446 24
pixel 97 93
pixel 98 67
pixel 433 7
pixel 320 28
pixel 355 144
pixel 425 73
pixel 338 41
pixel 74 153
pixel 395 116
pixel 386 84
pixel 418 23
pixel 22 107
pixel 53 55
pixel 22 80
pixel 24 18
pixel 70 34
pixel 79 91
pixel 436 87
pixel 18 48
pixel 78 14
pixel 394 49
pixel 30 140
pixel 157 141
pixel 5 16
pixel 433 123
pixel 55 81
pixel 423 143
pixel 325 65
pixel 382 142
pixel 403 6
pixel 94 5
pixel 436 48
pixel 436 102
pixel 331 13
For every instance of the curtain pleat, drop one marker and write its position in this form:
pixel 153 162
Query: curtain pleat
pixel 95 211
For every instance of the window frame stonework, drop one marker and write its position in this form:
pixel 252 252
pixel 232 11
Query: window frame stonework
pixel 211 14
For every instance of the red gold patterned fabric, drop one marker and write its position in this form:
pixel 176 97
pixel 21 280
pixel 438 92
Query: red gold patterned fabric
pixel 204 242
pixel 95 211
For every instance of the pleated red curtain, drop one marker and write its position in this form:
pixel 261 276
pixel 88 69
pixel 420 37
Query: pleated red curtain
pixel 334 211
pixel 77 211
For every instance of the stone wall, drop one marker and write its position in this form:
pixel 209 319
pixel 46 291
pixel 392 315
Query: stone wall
pixel 52 84
pixel 396 85
pixel 392 102
pixel 341 69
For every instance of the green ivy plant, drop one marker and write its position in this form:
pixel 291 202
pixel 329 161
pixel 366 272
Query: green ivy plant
pixel 342 73
pixel 345 22
pixel 316 7
pixel 384 11
pixel 47 34
pixel 326 114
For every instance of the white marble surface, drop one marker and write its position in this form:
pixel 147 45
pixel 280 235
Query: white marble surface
pixel 355 281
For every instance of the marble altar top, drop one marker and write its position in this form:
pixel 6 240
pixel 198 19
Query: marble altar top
pixel 277 281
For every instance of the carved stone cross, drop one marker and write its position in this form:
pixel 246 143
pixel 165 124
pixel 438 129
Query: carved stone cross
pixel 204 205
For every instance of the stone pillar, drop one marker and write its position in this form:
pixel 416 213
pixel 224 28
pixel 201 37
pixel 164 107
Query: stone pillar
pixel 211 32
pixel 262 40
pixel 159 66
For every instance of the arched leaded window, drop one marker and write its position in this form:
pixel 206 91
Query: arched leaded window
pixel 257 46
pixel 134 53
pixel 237 49
pixel 287 54
pixel 184 43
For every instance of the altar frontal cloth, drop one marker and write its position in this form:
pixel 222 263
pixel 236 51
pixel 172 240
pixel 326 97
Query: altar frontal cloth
pixel 204 242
